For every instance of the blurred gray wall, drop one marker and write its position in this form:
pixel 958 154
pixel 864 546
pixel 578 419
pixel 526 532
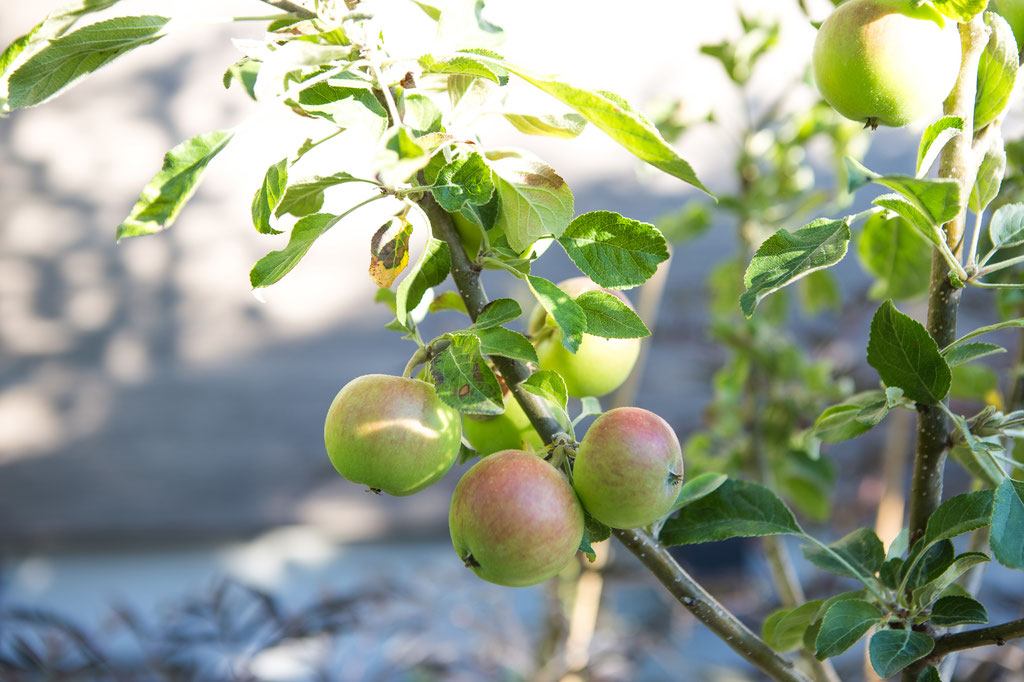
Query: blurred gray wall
pixel 147 396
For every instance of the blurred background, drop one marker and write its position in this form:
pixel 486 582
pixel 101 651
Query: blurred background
pixel 165 500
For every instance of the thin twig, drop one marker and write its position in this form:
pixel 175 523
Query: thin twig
pixel 292 7
pixel 995 634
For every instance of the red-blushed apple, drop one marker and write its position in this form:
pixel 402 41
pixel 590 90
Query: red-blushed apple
pixel 886 62
pixel 391 434
pixel 514 519
pixel 599 365
pixel 629 468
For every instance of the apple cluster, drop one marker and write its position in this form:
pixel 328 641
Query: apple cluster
pixel 515 519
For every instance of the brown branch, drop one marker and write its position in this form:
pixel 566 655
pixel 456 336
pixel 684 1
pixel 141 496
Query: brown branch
pixel 959 162
pixel 646 548
pixel 995 634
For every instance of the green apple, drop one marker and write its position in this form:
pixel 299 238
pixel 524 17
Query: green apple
pixel 599 366
pixel 391 434
pixel 510 430
pixel 886 62
pixel 514 519
pixel 629 468
pixel 472 238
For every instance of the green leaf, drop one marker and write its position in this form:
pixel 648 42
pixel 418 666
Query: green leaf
pixel 463 379
pixel 1008 524
pixel 245 71
pixel 12 51
pixel 534 200
pixel 430 270
pixel 735 509
pixel 465 64
pixel 893 650
pixel 905 355
pixel 56 24
pixel 506 343
pixel 419 113
pixel 167 193
pixel 1006 229
pixel 70 58
pixel 787 256
pixel 400 156
pixel 1019 322
pixel 861 549
pixel 448 300
pixel 784 629
pixel 926 562
pixel 609 317
pixel 615 252
pixel 465 179
pixel 844 623
pixel 565 126
pixel 430 10
pixel 913 215
pixel 978 464
pixel 990 173
pixel 268 196
pixel 698 488
pixel 892 250
pixel 957 610
pixel 277 264
pixel 619 120
pixel 960 10
pixel 346 106
pixel 938 199
pixel 958 515
pixel 857 415
pixel 997 72
pixel 590 407
pixel 593 531
pixel 548 384
pixel 969 352
pixel 498 312
pixel 567 314
pixel 930 591
pixel 929 674
pixel 306 195
pixel 889 574
pixel 935 138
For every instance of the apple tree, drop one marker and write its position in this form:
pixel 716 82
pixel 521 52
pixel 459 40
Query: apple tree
pixel 496 388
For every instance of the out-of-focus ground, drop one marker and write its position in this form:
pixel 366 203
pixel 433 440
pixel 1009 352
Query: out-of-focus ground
pixel 160 427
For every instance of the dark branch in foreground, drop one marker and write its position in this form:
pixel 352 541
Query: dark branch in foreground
pixel 646 548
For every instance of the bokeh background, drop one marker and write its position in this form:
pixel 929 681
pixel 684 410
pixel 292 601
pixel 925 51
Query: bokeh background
pixel 162 474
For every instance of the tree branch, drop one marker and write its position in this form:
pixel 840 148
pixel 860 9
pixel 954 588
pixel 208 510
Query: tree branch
pixel 958 162
pixel 292 7
pixel 995 634
pixel 646 548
